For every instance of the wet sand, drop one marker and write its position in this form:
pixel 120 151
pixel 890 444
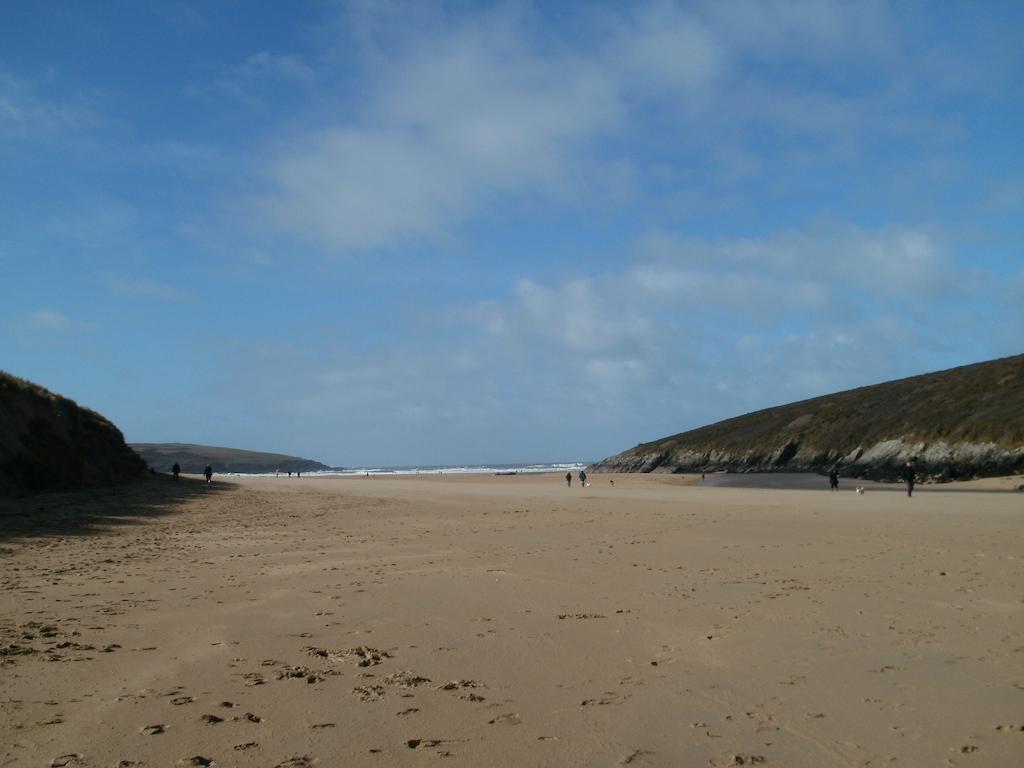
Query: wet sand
pixel 510 621
pixel 809 481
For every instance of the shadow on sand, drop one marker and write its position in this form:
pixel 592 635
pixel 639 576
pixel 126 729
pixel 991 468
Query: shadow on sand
pixel 92 511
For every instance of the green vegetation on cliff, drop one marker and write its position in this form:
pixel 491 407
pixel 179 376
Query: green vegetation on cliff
pixel 194 458
pixel 962 422
pixel 50 443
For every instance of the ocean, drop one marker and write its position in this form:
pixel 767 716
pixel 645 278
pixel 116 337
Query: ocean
pixel 452 469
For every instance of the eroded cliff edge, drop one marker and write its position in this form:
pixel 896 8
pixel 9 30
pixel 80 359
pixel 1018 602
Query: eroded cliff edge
pixel 959 423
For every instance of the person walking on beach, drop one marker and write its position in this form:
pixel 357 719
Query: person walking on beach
pixel 583 478
pixel 908 476
pixel 176 470
pixel 208 472
pixel 568 479
pixel 833 480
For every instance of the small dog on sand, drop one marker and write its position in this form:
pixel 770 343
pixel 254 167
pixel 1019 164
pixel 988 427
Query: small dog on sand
pixel 860 489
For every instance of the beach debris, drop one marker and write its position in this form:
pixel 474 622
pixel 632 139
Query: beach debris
pixel 364 656
pixel 405 679
pixel 304 673
pixel 729 760
pixel 582 616
pixel 369 692
pixel 247 745
pixel 417 743
pixel 635 755
pixel 509 718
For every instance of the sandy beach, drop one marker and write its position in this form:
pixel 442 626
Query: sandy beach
pixel 511 621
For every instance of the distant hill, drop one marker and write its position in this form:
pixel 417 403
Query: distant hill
pixel 959 423
pixel 194 458
pixel 50 443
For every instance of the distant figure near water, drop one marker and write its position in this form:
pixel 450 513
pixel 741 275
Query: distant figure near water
pixel 208 473
pixel 568 479
pixel 833 480
pixel 908 476
pixel 583 478
pixel 176 470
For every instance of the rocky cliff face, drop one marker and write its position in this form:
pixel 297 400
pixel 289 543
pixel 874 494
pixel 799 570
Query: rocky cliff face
pixel 50 443
pixel 961 423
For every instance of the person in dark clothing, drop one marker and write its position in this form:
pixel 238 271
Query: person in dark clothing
pixel 833 480
pixel 908 476
pixel 176 470
pixel 583 478
pixel 208 472
pixel 568 479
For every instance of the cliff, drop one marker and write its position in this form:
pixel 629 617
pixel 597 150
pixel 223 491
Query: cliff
pixel 194 458
pixel 960 423
pixel 50 443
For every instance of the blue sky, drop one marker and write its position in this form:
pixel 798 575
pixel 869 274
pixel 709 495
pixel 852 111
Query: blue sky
pixel 389 233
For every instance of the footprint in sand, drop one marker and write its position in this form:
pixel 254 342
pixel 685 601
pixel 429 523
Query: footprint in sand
pixel 211 719
pixel 511 718
pixel 247 745
pixel 153 730
pixel 732 759
pixel 196 760
pixel 71 759
pixel 635 756
pixel 182 700
pixel 299 761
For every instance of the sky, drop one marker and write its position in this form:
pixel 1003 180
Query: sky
pixel 385 233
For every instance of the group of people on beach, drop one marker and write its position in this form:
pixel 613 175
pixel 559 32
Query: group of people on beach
pixel 908 475
pixel 207 472
pixel 583 479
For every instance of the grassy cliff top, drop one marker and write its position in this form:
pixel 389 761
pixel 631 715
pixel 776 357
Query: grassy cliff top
pixel 190 456
pixel 979 403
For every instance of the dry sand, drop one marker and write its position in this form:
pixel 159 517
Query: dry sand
pixel 510 621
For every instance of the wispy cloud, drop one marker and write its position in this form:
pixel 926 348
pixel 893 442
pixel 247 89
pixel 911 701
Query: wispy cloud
pixel 27 114
pixel 146 288
pixel 683 333
pixel 460 114
pixel 253 80
pixel 48 320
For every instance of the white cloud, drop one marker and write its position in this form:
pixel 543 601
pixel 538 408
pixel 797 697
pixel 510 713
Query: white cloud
pixel 48 320
pixel 458 117
pixel 454 113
